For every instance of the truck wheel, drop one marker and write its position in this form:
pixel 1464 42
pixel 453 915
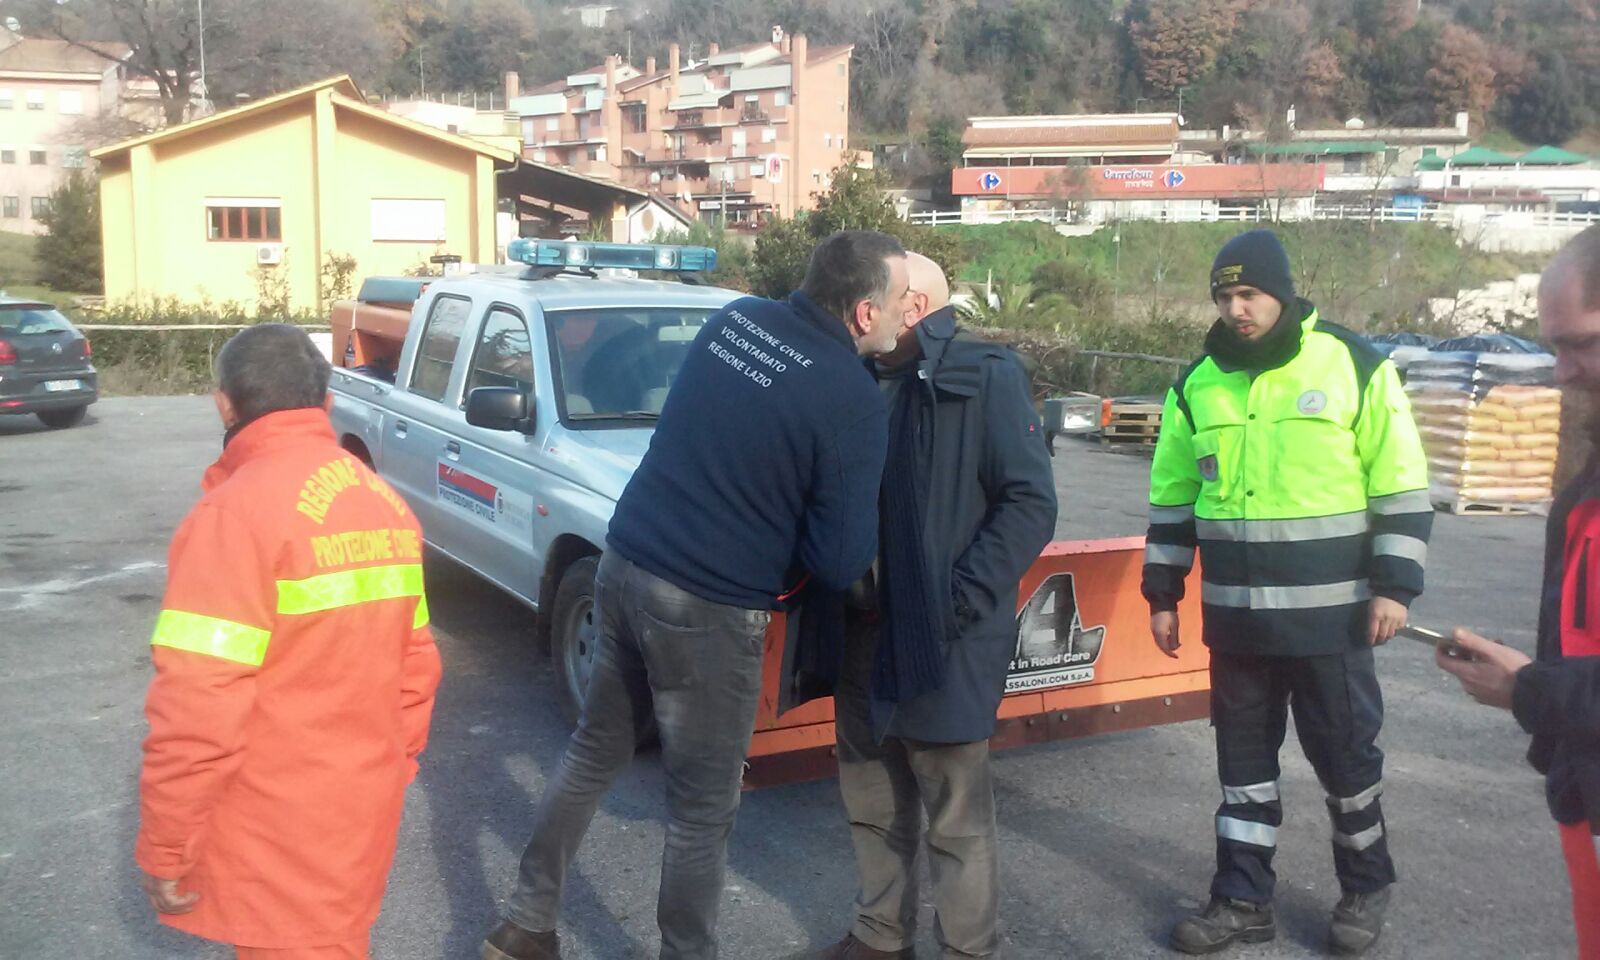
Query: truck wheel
pixel 573 631
pixel 573 634
pixel 61 419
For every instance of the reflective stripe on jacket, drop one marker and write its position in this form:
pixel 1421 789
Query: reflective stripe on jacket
pixel 1304 488
pixel 295 675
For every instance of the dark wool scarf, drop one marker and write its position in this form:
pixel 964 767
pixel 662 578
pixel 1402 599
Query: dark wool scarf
pixel 1281 344
pixel 907 661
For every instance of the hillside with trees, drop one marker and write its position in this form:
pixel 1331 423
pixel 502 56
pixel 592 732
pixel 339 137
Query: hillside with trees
pixel 1531 67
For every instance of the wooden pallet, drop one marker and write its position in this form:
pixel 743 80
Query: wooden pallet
pixel 1474 508
pixel 1136 413
pixel 1132 432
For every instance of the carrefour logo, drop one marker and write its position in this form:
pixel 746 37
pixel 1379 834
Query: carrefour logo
pixel 989 180
pixel 1172 179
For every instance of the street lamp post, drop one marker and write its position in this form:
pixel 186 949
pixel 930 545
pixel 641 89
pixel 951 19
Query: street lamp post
pixel 200 5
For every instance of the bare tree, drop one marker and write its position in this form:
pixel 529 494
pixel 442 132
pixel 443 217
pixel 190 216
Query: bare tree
pixel 163 35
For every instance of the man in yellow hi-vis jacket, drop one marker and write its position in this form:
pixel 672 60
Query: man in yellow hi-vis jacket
pixel 1288 457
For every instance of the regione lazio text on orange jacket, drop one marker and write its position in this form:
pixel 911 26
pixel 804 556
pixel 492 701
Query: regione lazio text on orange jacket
pixel 295 677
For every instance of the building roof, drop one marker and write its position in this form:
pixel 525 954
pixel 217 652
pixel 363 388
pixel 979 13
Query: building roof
pixel 346 96
pixel 1317 148
pixel 722 57
pixel 31 55
pixel 814 54
pixel 1481 157
pixel 1549 156
pixel 1087 131
pixel 554 86
pixel 665 202
pixel 642 81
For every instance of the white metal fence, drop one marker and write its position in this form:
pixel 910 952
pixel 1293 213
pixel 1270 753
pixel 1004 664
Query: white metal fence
pixel 1446 215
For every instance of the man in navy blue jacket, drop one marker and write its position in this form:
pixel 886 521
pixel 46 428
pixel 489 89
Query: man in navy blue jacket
pixel 921 656
pixel 764 466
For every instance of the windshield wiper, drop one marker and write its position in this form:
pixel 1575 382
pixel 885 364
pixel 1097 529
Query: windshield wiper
pixel 621 415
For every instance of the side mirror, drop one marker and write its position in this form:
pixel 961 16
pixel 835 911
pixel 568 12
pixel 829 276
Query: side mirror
pixel 500 408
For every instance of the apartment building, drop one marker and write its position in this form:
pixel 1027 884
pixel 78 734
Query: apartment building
pixel 52 95
pixel 734 137
pixel 47 89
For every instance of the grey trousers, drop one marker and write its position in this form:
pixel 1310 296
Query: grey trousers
pixel 700 664
pixel 887 788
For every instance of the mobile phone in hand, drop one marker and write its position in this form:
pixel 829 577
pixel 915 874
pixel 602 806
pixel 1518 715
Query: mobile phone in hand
pixel 1434 638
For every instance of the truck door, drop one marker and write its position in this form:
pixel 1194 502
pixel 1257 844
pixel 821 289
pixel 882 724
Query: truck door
pixel 487 489
pixel 415 438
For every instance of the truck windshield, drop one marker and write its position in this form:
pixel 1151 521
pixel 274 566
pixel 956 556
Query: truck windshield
pixel 618 363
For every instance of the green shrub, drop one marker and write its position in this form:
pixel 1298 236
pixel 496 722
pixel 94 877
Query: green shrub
pixel 855 200
pixel 68 251
pixel 135 361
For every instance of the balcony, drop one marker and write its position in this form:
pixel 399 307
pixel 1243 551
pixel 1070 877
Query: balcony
pixel 688 153
pixel 707 189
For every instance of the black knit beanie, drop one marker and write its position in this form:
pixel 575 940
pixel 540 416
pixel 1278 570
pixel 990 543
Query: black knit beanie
pixel 1255 258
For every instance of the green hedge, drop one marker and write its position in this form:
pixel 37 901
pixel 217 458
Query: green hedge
pixel 132 361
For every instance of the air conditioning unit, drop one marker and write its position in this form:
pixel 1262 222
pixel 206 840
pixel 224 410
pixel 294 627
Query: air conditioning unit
pixel 269 253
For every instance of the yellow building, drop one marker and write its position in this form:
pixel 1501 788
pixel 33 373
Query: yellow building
pixel 251 203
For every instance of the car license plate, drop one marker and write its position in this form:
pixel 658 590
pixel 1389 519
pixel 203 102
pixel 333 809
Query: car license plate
pixel 61 386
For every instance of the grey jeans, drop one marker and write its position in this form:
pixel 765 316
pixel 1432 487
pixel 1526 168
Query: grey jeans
pixel 700 664
pixel 887 788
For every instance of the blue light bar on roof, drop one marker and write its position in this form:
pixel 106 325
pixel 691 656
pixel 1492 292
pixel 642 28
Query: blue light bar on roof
pixel 596 256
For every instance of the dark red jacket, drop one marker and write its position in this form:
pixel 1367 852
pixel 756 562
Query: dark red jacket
pixel 1557 698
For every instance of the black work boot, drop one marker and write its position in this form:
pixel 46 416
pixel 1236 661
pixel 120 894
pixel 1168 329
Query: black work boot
pixel 1356 922
pixel 852 949
pixel 510 942
pixel 1223 921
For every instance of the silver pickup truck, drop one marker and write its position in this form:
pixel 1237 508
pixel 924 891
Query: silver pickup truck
pixel 510 408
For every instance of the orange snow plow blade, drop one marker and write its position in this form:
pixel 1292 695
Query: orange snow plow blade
pixel 1085 664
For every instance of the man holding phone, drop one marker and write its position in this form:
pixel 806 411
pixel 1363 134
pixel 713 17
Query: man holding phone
pixel 1288 458
pixel 1556 697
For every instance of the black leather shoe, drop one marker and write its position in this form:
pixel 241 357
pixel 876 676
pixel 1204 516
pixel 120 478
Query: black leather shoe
pixel 510 942
pixel 1356 922
pixel 1224 921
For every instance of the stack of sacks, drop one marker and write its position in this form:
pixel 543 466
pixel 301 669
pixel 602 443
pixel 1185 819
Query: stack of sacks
pixel 1490 423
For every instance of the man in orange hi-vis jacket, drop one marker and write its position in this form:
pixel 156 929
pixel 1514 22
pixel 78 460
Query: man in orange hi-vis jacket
pixel 295 676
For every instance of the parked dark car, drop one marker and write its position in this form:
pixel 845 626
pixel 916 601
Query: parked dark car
pixel 44 364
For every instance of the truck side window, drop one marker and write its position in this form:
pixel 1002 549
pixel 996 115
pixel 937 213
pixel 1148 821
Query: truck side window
pixel 436 354
pixel 504 355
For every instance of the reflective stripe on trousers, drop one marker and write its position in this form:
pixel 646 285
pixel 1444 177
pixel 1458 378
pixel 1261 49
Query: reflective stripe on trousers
pixel 1247 831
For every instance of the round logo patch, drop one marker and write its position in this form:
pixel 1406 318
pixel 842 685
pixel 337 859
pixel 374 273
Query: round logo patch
pixel 1208 468
pixel 1312 402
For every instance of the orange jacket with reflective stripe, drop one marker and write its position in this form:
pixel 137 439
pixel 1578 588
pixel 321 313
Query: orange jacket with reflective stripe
pixel 295 676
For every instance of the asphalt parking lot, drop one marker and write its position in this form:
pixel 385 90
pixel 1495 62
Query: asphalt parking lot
pixel 1105 841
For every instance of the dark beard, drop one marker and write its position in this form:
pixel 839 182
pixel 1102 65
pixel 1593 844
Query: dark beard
pixel 1281 344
